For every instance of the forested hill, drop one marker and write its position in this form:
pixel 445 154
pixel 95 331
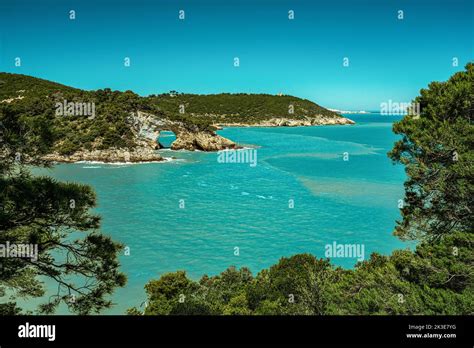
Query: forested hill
pixel 12 85
pixel 31 98
pixel 241 107
pixel 111 125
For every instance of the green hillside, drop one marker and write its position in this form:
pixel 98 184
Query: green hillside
pixel 109 127
pixel 12 85
pixel 244 108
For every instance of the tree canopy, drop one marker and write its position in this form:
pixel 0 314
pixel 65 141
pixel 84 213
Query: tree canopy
pixel 437 150
pixel 51 216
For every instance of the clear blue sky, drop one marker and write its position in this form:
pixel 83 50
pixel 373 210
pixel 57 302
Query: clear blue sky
pixel 389 58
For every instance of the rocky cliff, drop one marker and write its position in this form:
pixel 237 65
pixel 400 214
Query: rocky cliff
pixel 288 122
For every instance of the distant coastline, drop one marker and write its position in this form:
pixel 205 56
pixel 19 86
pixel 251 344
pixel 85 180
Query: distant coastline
pixel 289 122
pixel 351 111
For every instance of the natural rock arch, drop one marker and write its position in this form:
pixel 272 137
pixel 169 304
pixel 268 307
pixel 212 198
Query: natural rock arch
pixel 147 128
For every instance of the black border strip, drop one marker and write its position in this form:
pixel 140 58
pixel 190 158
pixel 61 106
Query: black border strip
pixel 261 330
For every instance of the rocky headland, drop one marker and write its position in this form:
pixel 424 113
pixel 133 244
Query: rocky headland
pixel 126 127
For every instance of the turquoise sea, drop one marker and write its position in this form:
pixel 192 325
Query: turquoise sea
pixel 237 205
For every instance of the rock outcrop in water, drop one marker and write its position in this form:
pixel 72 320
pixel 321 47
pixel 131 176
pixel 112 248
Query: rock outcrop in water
pixel 204 141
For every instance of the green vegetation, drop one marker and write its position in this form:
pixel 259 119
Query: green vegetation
pixel 243 108
pixel 53 216
pixel 436 278
pixel 437 150
pixel 111 126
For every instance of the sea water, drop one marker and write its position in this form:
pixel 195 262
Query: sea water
pixel 311 187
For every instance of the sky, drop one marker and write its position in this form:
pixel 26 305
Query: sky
pixel 389 58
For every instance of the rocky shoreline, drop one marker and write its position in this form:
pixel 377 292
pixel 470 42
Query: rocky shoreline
pixel 112 155
pixel 185 140
pixel 288 122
